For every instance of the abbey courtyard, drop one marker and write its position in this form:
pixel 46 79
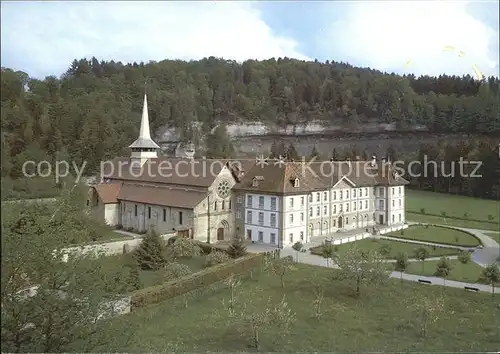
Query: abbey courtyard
pixel 271 202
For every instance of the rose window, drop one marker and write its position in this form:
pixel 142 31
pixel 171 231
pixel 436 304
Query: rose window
pixel 223 189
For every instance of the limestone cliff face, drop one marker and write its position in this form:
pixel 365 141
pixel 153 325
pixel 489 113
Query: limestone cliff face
pixel 256 129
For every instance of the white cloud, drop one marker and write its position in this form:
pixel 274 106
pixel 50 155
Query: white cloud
pixel 48 36
pixel 386 35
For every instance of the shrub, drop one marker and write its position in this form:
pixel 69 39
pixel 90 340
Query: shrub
pixel 119 227
pixel 422 210
pixel 443 213
pixel 149 254
pixel 176 270
pixel 195 281
pixel 184 248
pixel 134 278
pixel 171 240
pixel 490 217
pixel 130 229
pixel 216 257
pixel 466 215
pixel 237 248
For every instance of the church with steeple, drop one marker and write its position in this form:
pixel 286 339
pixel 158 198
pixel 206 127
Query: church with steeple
pixel 146 192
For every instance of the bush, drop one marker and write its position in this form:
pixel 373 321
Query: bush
pixel 119 227
pixel 195 281
pixel 422 210
pixel 237 248
pixel 184 248
pixel 176 270
pixel 490 217
pixel 216 257
pixel 130 229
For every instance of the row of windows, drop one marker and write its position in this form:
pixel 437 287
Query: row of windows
pixel 223 205
pixel 345 193
pixel 381 191
pixel 381 204
pixel 149 213
pixel 341 208
pixel 272 236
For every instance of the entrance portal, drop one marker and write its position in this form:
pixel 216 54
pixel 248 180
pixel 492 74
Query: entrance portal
pixel 381 219
pixel 340 222
pixel 220 234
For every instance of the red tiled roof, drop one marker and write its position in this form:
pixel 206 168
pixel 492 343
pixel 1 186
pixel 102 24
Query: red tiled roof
pixel 108 192
pixel 170 197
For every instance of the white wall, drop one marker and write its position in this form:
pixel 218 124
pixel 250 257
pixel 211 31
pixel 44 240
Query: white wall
pixel 112 214
pixel 253 225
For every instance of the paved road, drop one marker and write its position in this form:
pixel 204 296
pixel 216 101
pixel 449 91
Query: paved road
pixel 308 258
pixel 128 233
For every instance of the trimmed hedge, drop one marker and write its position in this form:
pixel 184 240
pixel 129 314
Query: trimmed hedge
pixel 452 217
pixel 201 279
pixel 456 228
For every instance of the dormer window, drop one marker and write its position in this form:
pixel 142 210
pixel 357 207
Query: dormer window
pixel 296 183
pixel 256 180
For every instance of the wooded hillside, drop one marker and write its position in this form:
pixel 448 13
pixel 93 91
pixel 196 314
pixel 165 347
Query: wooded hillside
pixel 93 111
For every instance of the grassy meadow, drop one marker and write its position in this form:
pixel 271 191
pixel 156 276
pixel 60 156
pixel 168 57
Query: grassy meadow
pixel 382 319
pixel 460 211
pixel 437 235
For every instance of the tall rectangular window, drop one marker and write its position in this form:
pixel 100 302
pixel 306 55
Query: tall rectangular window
pixel 273 203
pixel 261 218
pixel 301 217
pixel 325 196
pixel 291 202
pixel 317 197
pixel 261 236
pixel 291 218
pixel 149 212
pixel 164 214
pixel 325 210
pixel 261 202
pixel 317 211
pixel 249 201
pixel 249 217
pixel 302 201
pixel 273 220
pixel 180 217
pixel 310 212
pixel 135 210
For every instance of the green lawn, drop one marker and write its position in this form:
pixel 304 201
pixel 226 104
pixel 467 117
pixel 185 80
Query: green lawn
pixel 437 235
pixel 452 205
pixel 383 319
pixel 148 277
pixel 468 273
pixel 368 244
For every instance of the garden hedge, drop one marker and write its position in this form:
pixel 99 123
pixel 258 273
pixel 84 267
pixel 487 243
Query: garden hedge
pixel 201 279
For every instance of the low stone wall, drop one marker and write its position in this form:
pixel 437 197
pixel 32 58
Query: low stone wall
pixel 107 249
pixel 367 234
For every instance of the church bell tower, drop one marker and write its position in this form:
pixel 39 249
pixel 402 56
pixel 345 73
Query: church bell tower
pixel 144 148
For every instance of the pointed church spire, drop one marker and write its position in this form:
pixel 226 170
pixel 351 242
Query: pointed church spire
pixel 144 140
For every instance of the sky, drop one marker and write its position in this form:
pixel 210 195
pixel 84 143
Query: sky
pixel 404 36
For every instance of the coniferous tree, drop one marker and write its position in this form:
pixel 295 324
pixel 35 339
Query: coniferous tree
pixel 149 255
pixel 237 248
pixel 134 277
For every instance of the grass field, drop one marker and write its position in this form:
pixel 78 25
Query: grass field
pixel 468 273
pixel 382 319
pixel 368 244
pixel 438 235
pixel 112 264
pixel 452 205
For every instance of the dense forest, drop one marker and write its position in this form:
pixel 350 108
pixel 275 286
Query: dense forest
pixel 92 111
